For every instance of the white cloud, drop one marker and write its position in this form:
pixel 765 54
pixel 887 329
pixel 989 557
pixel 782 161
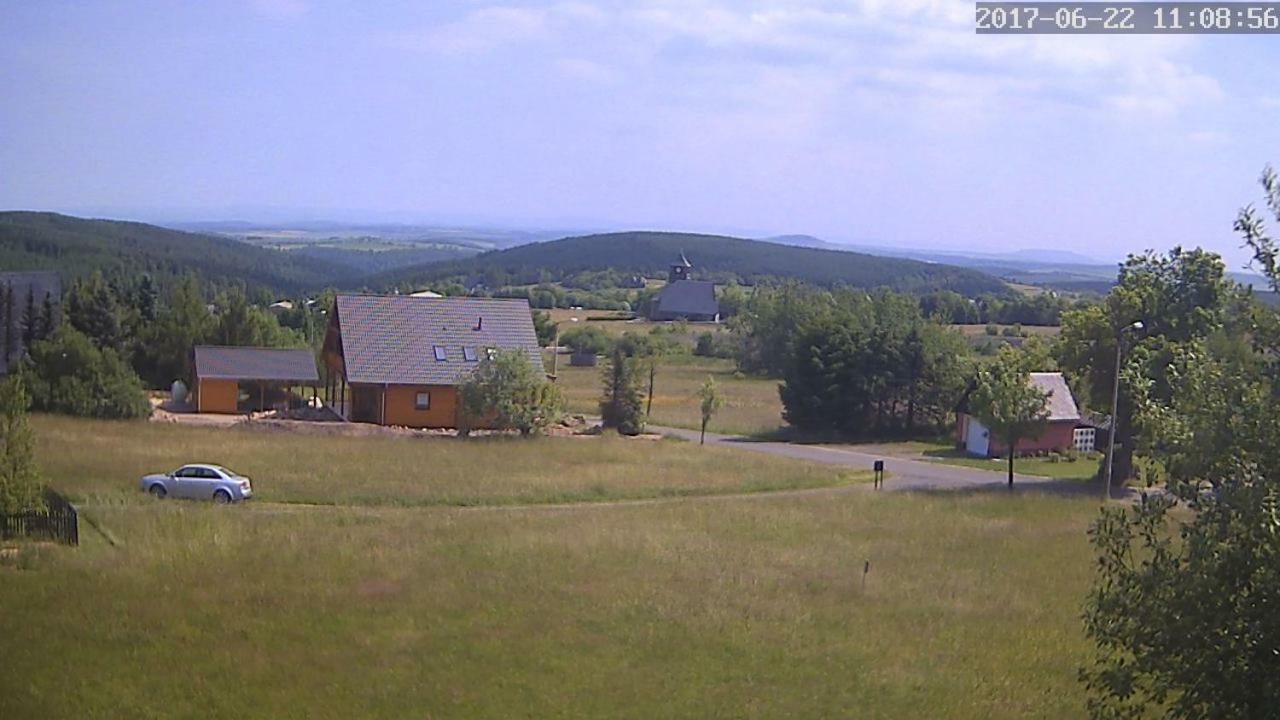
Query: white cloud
pixel 911 54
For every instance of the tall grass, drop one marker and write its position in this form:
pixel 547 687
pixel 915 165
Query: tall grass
pixel 102 461
pixel 728 608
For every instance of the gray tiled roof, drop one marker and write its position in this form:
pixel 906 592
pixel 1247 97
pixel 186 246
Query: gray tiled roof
pixel 1061 404
pixel 216 362
pixel 686 298
pixel 391 339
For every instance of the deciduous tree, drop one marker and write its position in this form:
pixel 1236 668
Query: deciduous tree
pixel 711 401
pixel 1183 609
pixel 71 375
pixel 1180 297
pixel 506 393
pixel 1006 402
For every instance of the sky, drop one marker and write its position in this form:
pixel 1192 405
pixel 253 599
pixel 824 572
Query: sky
pixel 886 122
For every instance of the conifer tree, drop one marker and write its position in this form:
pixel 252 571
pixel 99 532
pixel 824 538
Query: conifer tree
pixel 622 406
pixel 20 485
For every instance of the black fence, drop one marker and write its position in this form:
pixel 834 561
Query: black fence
pixel 58 522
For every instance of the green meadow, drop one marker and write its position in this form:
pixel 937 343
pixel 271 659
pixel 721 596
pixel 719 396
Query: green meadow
pixel 391 599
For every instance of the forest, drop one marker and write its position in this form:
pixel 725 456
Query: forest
pixel 717 258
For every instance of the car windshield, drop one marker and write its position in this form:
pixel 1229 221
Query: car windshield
pixel 225 471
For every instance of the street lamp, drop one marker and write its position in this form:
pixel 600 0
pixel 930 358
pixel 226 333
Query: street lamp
pixel 1115 404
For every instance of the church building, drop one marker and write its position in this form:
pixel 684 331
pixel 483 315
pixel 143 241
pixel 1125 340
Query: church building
pixel 685 299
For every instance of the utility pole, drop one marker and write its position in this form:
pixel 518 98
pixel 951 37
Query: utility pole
pixel 1115 407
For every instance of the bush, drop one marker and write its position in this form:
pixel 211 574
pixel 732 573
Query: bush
pixel 505 393
pixel 588 339
pixel 71 376
pixel 992 329
pixel 717 345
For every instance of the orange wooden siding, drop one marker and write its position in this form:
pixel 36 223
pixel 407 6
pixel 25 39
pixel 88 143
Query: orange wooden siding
pixel 217 396
pixel 400 410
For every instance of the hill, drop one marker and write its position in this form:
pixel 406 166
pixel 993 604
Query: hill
pixel 715 257
pixel 78 246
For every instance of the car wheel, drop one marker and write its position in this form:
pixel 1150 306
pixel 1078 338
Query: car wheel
pixel 222 497
pixel 157 491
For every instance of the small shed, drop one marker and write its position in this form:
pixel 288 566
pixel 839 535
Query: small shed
pixel 222 372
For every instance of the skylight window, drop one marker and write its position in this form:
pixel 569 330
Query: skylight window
pixel 439 350
pixel 469 354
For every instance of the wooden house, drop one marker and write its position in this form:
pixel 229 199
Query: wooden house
pixel 398 360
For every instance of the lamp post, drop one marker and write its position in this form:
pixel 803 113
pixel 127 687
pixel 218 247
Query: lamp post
pixel 1115 405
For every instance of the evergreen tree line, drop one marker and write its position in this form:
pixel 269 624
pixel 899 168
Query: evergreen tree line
pixel 114 338
pixel 24 319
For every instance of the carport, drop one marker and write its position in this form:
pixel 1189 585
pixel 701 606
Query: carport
pixel 262 374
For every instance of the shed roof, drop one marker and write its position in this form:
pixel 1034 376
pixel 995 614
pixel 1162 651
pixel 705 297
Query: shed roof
pixel 393 339
pixel 216 362
pixel 1061 404
pixel 688 297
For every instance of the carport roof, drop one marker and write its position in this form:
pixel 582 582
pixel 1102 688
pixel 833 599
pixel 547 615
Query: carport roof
pixel 215 362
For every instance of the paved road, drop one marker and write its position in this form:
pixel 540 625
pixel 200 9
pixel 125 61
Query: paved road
pixel 902 474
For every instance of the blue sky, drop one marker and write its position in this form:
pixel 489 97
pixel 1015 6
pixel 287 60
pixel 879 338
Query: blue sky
pixel 874 121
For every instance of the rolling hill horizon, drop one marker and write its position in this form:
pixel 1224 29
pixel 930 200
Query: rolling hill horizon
pixel 76 247
pixel 715 257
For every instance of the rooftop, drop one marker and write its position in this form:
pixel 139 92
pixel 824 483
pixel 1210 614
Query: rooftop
pixel 219 362
pixel 1061 404
pixel 396 339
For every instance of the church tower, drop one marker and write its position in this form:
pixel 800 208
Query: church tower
pixel 679 269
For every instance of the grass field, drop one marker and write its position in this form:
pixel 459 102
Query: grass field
pixel 102 461
pixel 751 405
pixel 1083 469
pixel 723 607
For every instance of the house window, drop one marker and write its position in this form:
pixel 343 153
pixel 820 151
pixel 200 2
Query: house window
pixel 439 350
pixel 469 354
pixel 422 401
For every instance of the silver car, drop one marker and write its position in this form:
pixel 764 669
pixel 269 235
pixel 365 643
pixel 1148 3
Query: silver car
pixel 200 482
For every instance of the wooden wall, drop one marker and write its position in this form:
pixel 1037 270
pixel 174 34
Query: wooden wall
pixel 400 410
pixel 217 396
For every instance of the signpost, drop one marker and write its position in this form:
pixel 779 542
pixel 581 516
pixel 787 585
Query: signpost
pixel 878 466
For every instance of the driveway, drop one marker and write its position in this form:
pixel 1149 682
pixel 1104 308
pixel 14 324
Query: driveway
pixel 901 473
